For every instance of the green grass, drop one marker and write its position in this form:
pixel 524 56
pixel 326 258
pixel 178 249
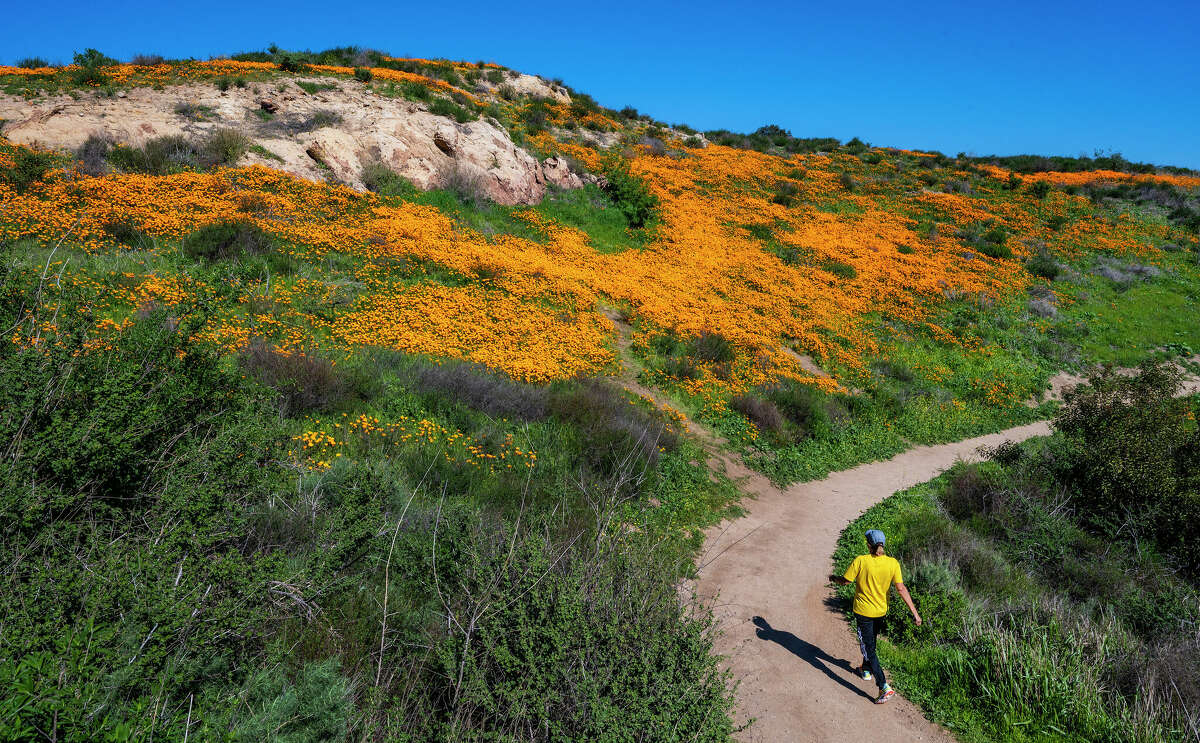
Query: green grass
pixel 313 88
pixel 258 149
pixel 1123 327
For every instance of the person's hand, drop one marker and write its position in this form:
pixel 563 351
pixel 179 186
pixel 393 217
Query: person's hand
pixel 917 619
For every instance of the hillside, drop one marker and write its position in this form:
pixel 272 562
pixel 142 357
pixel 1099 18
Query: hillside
pixel 287 329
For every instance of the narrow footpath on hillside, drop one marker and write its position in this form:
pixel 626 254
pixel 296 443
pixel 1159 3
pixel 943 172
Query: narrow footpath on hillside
pixel 765 576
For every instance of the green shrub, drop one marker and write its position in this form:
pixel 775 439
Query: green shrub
pixel 480 388
pixel 29 167
pixel 289 63
pixel 1043 264
pixel 807 408
pixel 630 194
pixel 564 646
pixel 305 382
pixel 848 182
pixel 316 120
pixel 89 73
pixel 363 74
pixel 129 234
pixel 681 368
pixel 1132 459
pixel 224 147
pixel 381 179
pixel 313 88
pixel 1057 221
pixel 450 109
pixel 312 709
pixel 712 347
pixel 495 76
pixel 225 240
pixel 168 450
pixel 840 269
pixel 855 146
pixel 1039 189
pixel 174 153
pixel 762 413
pixel 32 63
pixel 93 58
pixel 622 438
pixel 784 193
pixel 194 111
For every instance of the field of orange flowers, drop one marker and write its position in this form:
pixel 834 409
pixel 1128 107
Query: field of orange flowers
pixel 532 306
pixel 844 258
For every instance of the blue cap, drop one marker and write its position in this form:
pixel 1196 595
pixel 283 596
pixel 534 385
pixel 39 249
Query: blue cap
pixel 874 536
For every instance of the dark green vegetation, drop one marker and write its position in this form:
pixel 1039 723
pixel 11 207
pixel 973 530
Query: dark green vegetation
pixel 1099 161
pixel 164 155
pixel 172 570
pixel 1058 580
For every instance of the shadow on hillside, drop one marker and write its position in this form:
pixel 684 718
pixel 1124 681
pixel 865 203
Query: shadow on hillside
pixel 811 654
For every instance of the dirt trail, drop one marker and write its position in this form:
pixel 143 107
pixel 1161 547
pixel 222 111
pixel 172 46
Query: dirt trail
pixel 765 575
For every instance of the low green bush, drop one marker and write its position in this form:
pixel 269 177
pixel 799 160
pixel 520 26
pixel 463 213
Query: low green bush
pixel 1043 265
pixel 306 382
pixel 29 167
pixel 762 413
pixel 711 347
pixel 381 179
pixel 450 109
pixel 840 269
pixel 226 240
pixel 630 194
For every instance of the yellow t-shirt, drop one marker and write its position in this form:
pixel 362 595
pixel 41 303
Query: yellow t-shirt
pixel 872 577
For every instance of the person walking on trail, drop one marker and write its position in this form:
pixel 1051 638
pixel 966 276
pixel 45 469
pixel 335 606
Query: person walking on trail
pixel 873 575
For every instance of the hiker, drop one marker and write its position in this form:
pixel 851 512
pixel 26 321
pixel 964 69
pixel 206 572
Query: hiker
pixel 873 575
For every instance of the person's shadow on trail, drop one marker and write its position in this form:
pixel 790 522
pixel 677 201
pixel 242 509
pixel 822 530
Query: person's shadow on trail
pixel 806 651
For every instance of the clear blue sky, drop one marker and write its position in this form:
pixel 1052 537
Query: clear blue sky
pixel 1049 77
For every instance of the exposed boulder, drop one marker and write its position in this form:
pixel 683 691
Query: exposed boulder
pixel 558 173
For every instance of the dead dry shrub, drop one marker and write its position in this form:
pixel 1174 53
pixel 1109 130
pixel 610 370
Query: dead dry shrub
pixel 482 389
pixel 305 382
pixel 614 429
pixel 93 154
pixel 466 182
pixel 762 413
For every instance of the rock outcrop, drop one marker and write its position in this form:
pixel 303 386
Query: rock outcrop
pixel 330 135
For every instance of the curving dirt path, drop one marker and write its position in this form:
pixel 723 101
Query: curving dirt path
pixel 765 576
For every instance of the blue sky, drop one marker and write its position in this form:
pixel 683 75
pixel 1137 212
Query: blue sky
pixel 1046 77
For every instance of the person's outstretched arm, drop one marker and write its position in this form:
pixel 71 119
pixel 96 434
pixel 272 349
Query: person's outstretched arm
pixel 903 591
pixel 839 579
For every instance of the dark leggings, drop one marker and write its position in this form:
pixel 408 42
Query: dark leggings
pixel 868 630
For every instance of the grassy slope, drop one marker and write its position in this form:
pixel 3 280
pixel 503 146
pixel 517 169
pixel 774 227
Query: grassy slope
pixel 963 363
